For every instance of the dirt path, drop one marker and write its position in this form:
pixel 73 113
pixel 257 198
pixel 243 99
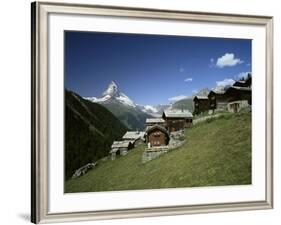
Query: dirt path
pixel 205 118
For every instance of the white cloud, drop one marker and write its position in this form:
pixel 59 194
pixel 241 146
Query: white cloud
pixel 195 91
pixel 225 82
pixel 228 59
pixel 189 79
pixel 177 98
pixel 212 60
pixel 243 75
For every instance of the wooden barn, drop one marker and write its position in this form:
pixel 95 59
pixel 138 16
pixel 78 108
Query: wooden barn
pixel 238 97
pixel 155 121
pixel 136 137
pixel 120 148
pixel 157 135
pixel 177 119
pixel 217 99
pixel 201 104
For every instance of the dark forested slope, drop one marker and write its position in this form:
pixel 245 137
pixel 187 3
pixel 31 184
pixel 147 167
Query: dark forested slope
pixel 90 130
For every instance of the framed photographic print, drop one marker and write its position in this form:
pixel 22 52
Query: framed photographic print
pixel 147 112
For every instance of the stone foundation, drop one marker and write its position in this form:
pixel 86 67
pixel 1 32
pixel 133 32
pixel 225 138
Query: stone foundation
pixel 155 152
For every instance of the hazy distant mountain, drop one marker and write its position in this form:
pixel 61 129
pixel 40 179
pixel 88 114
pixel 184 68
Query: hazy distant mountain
pixel 132 115
pixel 155 111
pixel 187 103
pixel 90 129
pixel 202 92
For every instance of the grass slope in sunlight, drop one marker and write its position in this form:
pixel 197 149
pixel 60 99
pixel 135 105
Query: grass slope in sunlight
pixel 217 152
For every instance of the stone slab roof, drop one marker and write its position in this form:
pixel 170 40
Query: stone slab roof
pixel 159 127
pixel 155 120
pixel 133 135
pixel 201 97
pixel 120 144
pixel 178 113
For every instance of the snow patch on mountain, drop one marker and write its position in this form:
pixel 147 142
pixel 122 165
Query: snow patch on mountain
pixel 97 100
pixel 149 108
pixel 124 99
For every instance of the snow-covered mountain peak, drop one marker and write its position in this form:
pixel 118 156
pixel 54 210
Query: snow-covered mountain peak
pixel 112 93
pixel 112 90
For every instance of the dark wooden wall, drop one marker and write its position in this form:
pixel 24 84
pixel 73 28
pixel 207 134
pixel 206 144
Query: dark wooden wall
pixel 157 138
pixel 201 105
pixel 175 124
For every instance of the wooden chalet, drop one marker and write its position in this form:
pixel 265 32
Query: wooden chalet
pixel 217 99
pixel 177 119
pixel 201 104
pixel 136 137
pixel 157 135
pixel 238 97
pixel 235 93
pixel 155 121
pixel 120 148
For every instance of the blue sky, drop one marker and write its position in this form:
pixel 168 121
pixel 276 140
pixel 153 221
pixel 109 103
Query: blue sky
pixel 152 69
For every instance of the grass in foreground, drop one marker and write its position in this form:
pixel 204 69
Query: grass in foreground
pixel 217 152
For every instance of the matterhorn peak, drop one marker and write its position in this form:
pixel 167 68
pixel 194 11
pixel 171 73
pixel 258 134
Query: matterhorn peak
pixel 111 90
pixel 111 94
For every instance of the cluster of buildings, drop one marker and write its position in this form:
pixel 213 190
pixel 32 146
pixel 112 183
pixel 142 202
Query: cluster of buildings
pixel 234 98
pixel 130 140
pixel 158 130
pixel 168 130
pixel 157 133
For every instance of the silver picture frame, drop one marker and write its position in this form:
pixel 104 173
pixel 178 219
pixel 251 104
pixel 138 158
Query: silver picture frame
pixel 40 89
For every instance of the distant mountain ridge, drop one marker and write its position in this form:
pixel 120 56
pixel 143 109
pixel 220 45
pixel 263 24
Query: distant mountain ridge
pixel 154 110
pixel 134 115
pixel 187 103
pixel 90 129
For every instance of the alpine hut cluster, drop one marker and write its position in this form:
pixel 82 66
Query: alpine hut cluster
pixel 234 98
pixel 129 141
pixel 167 132
pixel 158 130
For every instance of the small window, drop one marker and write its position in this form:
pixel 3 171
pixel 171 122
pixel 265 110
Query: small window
pixel 156 134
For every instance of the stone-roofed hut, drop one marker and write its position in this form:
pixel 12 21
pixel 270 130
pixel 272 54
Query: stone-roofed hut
pixel 177 119
pixel 120 148
pixel 155 121
pixel 157 135
pixel 201 104
pixel 136 137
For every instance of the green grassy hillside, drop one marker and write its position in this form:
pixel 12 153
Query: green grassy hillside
pixel 90 130
pixel 217 152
